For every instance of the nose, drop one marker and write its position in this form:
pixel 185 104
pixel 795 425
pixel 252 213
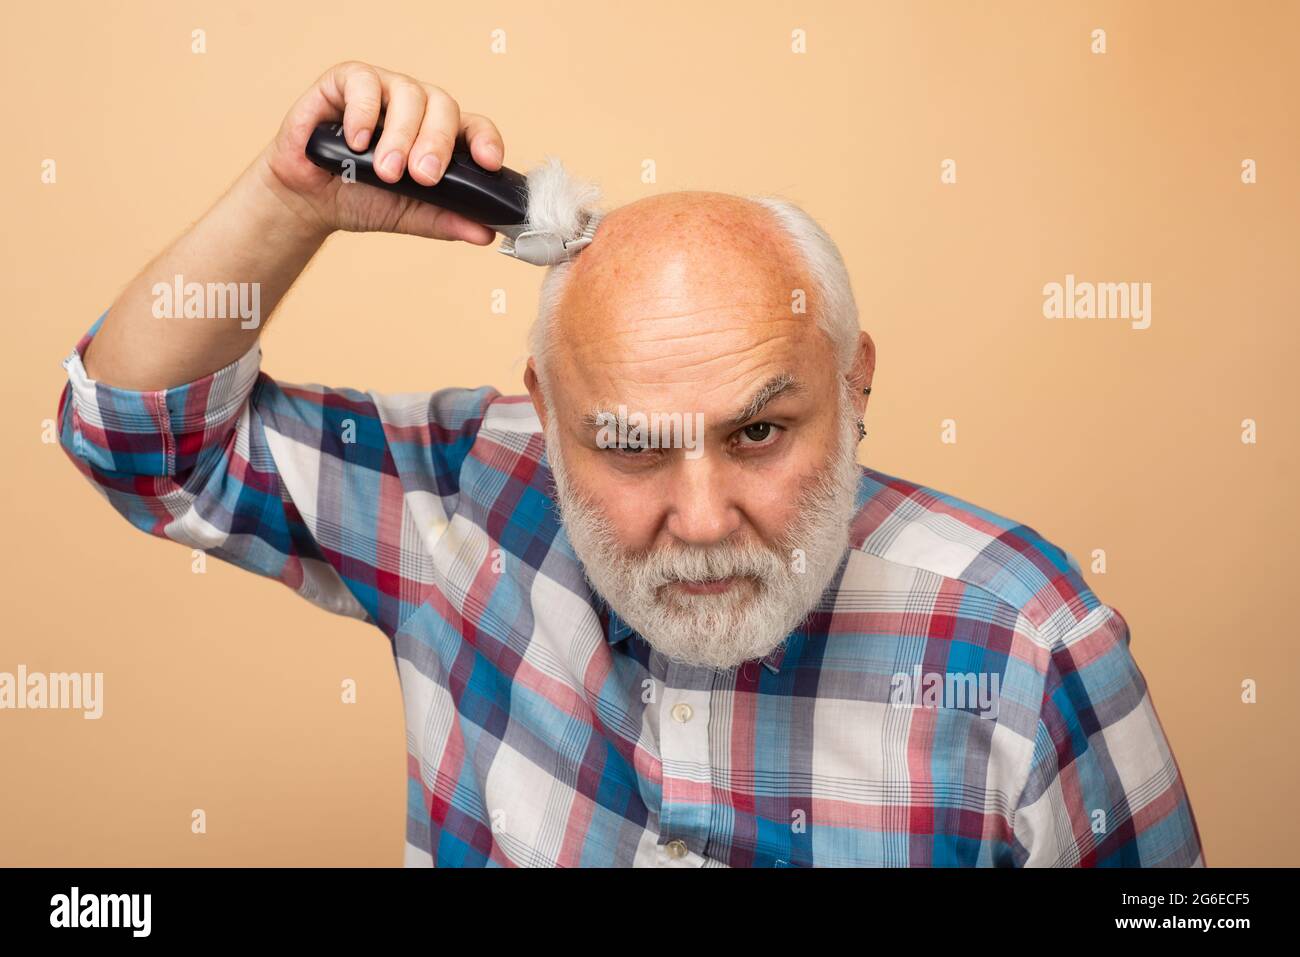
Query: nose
pixel 702 510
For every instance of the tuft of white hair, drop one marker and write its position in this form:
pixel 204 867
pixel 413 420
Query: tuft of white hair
pixel 559 202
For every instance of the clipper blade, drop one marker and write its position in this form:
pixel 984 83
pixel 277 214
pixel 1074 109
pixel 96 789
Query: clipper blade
pixel 544 248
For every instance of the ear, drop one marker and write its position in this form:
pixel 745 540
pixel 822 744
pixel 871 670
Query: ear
pixel 534 386
pixel 862 371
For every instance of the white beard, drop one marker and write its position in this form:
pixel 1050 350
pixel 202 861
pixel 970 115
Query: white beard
pixel 751 618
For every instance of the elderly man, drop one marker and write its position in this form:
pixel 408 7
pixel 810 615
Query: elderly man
pixel 733 647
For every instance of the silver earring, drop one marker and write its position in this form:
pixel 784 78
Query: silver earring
pixel 862 430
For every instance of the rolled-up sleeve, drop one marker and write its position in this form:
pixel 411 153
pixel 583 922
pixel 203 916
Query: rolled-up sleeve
pixel 162 432
pixel 191 464
pixel 336 493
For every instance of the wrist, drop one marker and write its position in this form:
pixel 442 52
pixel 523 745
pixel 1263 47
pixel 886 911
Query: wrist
pixel 279 210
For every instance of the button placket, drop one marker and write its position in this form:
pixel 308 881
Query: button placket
pixel 687 770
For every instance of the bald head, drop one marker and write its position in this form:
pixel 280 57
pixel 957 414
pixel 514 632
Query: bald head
pixel 688 234
pixel 682 289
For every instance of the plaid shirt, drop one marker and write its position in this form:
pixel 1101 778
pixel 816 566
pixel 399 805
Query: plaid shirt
pixel 542 731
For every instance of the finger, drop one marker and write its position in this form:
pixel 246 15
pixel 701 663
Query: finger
pixel 406 100
pixel 437 137
pixel 424 219
pixel 484 139
pixel 361 94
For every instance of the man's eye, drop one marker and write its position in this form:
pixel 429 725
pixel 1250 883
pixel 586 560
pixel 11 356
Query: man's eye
pixel 758 435
pixel 631 450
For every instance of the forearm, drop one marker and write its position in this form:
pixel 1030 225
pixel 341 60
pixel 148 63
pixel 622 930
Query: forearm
pixel 257 234
pixel 262 233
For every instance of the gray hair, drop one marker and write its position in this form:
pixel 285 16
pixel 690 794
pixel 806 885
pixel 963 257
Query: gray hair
pixel 556 201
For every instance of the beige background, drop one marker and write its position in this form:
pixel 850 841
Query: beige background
pixel 222 690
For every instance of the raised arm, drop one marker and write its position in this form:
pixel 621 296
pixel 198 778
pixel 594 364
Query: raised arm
pixel 174 423
pixel 269 224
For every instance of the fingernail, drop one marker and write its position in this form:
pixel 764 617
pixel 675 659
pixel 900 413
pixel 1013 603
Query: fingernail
pixel 493 151
pixel 430 166
pixel 391 164
pixel 361 139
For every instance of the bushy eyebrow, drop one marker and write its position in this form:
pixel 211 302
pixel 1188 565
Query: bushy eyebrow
pixel 778 385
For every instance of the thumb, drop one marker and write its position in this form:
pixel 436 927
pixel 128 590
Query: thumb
pixel 433 222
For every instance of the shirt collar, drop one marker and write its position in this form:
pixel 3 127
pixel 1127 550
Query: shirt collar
pixel 617 630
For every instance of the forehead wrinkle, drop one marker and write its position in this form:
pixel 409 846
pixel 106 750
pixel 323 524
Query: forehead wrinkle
pixel 739 362
pixel 760 332
pixel 737 312
pixel 661 255
pixel 706 341
pixel 619 361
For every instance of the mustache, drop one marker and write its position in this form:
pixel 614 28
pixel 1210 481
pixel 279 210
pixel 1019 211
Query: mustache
pixel 666 566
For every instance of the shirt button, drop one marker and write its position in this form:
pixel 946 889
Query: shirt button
pixel 676 849
pixel 682 713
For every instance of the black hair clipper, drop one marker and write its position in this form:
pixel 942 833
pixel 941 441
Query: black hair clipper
pixel 496 198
